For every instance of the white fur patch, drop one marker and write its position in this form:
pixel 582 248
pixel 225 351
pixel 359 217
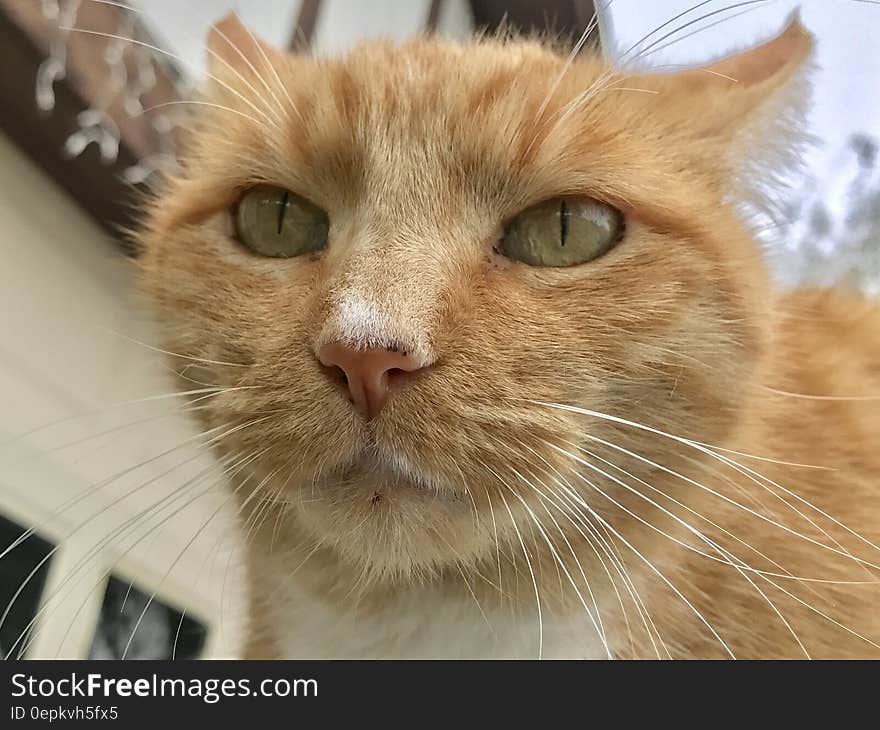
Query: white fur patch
pixel 360 320
pixel 423 623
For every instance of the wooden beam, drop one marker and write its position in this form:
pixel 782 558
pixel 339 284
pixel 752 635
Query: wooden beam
pixel 434 10
pixel 568 18
pixel 306 22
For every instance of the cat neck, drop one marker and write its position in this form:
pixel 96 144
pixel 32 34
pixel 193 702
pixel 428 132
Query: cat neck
pixel 316 606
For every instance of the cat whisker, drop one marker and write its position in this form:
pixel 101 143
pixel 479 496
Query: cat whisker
pixel 110 505
pixel 805 396
pixel 604 81
pixel 467 584
pixel 642 52
pixel 652 502
pixel 699 30
pixel 197 102
pixel 270 66
pixel 709 452
pixel 595 618
pixel 528 564
pixel 559 479
pixel 175 395
pixel 591 26
pixel 118 430
pixel 628 88
pixel 588 31
pixel 141 11
pixel 634 455
pixel 97 486
pixel 497 545
pixel 161 351
pixel 577 518
pixel 763 482
pixel 738 564
pixel 121 530
pixel 648 563
pixel 189 543
pixel 128 470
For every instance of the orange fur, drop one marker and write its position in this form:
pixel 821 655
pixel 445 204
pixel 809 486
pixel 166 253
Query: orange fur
pixel 419 154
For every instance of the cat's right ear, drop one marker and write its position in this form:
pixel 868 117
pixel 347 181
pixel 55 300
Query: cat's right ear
pixel 232 46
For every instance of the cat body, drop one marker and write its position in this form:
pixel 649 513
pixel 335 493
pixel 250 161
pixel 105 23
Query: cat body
pixel 500 371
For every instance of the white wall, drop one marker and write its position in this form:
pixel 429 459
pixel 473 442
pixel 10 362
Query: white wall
pixel 65 298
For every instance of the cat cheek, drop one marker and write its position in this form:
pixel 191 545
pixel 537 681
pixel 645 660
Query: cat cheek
pixel 226 224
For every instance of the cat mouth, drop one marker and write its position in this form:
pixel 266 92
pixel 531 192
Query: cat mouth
pixel 384 477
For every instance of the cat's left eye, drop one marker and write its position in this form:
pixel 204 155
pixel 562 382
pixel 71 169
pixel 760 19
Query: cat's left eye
pixel 562 232
pixel 275 222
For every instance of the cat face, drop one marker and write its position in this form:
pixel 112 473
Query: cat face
pixel 397 383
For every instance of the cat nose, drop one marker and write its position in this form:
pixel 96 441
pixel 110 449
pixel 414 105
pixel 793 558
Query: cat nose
pixel 369 373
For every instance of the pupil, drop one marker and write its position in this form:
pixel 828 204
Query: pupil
pixel 563 222
pixel 282 209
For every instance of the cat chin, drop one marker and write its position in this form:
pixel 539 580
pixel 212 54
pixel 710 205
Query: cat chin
pixel 380 486
pixel 386 523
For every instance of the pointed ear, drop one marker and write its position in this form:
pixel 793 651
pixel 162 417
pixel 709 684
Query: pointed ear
pixel 757 76
pixel 738 122
pixel 774 60
pixel 231 45
pixel 728 95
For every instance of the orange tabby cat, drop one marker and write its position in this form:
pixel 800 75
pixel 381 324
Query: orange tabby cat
pixel 508 377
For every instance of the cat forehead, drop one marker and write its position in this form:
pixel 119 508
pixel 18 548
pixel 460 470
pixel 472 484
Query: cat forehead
pixel 400 116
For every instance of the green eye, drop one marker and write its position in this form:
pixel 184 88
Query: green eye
pixel 275 222
pixel 562 232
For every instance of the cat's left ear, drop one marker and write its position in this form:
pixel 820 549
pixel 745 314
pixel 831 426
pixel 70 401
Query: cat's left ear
pixel 231 45
pixel 727 96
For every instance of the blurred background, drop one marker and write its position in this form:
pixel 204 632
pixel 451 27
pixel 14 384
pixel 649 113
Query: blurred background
pixel 115 539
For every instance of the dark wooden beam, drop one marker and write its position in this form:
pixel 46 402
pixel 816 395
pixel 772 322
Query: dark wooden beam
pixel 568 18
pixel 434 10
pixel 306 22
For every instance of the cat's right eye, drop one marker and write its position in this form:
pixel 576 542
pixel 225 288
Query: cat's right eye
pixel 562 232
pixel 275 222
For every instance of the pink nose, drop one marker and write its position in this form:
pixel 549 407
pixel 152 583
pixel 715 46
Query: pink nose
pixel 369 373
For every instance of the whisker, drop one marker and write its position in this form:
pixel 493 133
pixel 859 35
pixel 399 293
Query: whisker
pixel 109 506
pixel 132 526
pixel 594 619
pixel 699 515
pixel 739 565
pixel 607 548
pixel 189 543
pixel 651 567
pixel 806 396
pixel 120 530
pixel 711 453
pixel 197 102
pixel 153 348
pixel 531 570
